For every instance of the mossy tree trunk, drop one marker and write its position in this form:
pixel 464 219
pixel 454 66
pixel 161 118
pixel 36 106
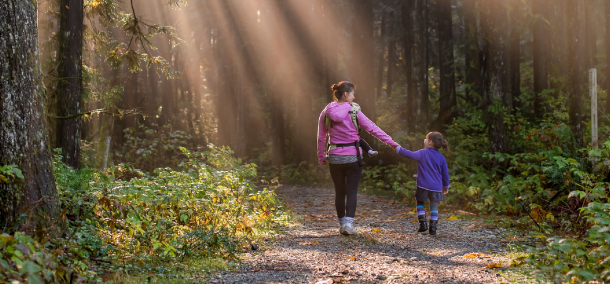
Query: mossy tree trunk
pixel 70 58
pixel 23 130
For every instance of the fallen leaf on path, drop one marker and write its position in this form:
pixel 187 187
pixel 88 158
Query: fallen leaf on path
pixel 433 253
pixel 464 212
pixel 478 254
pixel 375 230
pixel 325 281
pixel 452 218
pixel 414 221
pixel 494 265
pixel 309 243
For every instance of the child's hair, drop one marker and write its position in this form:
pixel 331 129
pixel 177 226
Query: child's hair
pixel 438 141
pixel 341 88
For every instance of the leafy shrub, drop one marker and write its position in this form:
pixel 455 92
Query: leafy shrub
pixel 150 148
pixel 208 208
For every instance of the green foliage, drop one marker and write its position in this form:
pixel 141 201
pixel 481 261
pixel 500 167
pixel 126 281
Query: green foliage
pixel 10 172
pixel 22 259
pixel 150 148
pixel 208 208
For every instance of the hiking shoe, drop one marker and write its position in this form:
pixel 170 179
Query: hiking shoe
pixel 433 224
pixel 348 229
pixel 423 225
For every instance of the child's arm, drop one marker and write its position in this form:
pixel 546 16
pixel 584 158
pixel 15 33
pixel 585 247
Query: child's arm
pixel 445 175
pixel 413 155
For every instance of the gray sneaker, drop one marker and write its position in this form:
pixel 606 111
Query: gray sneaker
pixel 348 229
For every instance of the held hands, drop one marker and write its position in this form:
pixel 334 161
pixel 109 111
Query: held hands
pixel 394 147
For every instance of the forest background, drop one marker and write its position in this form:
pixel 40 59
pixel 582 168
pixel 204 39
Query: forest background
pixel 137 93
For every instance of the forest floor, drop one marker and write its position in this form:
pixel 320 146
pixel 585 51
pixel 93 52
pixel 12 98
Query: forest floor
pixel 386 248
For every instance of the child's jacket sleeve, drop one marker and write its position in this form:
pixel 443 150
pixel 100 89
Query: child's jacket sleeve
pixel 370 127
pixel 409 154
pixel 445 174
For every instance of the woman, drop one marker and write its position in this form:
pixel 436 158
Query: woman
pixel 345 161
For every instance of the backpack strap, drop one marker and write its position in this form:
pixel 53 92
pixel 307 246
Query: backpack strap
pixel 354 115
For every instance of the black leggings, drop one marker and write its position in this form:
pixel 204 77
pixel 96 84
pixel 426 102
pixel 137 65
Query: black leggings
pixel 346 178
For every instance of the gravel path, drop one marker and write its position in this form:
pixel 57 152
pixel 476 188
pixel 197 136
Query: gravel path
pixel 386 248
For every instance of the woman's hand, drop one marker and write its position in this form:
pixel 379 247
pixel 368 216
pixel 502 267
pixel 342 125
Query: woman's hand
pixel 394 147
pixel 445 190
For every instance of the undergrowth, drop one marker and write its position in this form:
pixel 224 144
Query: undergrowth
pixel 147 223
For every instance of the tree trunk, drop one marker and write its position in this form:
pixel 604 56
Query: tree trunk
pixel 573 80
pixel 515 55
pixel 392 57
pixel 541 47
pixel 591 41
pixel 69 71
pixel 331 49
pixel 471 70
pixel 23 130
pixel 607 13
pixel 362 63
pixel 494 27
pixel 448 100
pixel 415 53
pixel 381 59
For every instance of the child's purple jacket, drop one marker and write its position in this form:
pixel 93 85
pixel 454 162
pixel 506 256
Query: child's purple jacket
pixel 343 130
pixel 432 171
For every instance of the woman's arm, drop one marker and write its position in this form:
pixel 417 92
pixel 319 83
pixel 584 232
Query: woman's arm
pixel 366 124
pixel 321 138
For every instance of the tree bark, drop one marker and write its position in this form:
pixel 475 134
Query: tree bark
pixel 23 130
pixel 470 12
pixel 392 56
pixel 493 23
pixel 69 58
pixel 381 59
pixel 448 100
pixel 541 47
pixel 607 13
pixel 573 80
pixel 331 49
pixel 415 49
pixel 362 64
pixel 515 55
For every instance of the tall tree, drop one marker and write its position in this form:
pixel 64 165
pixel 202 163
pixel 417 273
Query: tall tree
pixel 69 85
pixel 493 23
pixel 381 59
pixel 415 42
pixel 573 80
pixel 448 100
pixel 514 54
pixel 607 13
pixel 392 56
pixel 362 65
pixel 541 47
pixel 23 130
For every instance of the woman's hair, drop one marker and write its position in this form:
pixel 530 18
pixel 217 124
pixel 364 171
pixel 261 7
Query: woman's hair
pixel 438 141
pixel 341 88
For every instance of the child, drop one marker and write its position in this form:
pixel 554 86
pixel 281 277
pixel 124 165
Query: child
pixel 432 178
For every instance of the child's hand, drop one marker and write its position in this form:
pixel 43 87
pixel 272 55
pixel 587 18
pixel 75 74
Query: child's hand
pixel 445 190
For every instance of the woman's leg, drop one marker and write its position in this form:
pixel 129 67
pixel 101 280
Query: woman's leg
pixel 353 173
pixel 337 172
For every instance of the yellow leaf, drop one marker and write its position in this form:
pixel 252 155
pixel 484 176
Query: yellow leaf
pixel 352 258
pixel 414 221
pixel 537 213
pixel 377 230
pixel 95 3
pixel 452 218
pixel 478 254
pixel 494 265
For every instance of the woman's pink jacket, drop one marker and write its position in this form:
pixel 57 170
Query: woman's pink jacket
pixel 343 130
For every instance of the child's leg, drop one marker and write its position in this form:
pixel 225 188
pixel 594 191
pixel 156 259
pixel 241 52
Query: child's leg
pixel 420 209
pixel 433 210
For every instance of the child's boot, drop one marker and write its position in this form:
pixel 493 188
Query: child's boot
pixel 423 225
pixel 433 224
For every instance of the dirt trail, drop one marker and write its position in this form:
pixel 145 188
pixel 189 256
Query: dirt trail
pixel 385 250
